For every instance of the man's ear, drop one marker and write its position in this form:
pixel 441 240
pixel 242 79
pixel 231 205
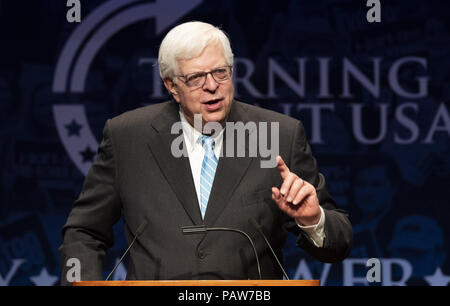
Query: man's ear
pixel 172 88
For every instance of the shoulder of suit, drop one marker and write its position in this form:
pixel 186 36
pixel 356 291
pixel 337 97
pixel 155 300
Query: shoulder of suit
pixel 139 116
pixel 142 116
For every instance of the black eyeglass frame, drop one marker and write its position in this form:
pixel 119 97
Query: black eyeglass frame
pixel 204 75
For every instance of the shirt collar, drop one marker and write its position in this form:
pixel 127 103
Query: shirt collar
pixel 192 136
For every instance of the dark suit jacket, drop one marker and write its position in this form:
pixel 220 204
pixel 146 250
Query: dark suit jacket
pixel 136 175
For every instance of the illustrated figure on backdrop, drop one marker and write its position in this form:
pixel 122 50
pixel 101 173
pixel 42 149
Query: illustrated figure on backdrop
pixel 420 240
pixel 375 187
pixel 137 176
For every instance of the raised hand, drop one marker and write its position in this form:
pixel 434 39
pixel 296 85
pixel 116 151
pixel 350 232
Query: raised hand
pixel 296 197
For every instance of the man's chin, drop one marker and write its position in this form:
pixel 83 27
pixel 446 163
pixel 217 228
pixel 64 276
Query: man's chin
pixel 214 117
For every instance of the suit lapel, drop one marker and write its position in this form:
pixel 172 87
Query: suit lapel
pixel 177 171
pixel 230 171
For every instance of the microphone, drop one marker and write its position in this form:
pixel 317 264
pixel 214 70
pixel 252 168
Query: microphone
pixel 138 232
pixel 256 225
pixel 202 229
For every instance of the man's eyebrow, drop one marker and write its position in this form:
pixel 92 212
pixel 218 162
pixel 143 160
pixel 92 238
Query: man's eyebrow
pixel 212 69
pixel 197 72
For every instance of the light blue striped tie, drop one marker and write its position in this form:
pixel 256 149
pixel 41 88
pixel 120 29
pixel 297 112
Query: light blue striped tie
pixel 209 166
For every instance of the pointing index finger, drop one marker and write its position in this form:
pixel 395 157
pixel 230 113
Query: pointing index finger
pixel 284 170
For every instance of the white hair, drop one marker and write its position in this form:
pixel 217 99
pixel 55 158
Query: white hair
pixel 187 41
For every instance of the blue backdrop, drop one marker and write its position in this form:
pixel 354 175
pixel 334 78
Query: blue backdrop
pixel 374 99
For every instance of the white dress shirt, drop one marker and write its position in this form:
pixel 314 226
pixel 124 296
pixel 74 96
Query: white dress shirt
pixel 196 153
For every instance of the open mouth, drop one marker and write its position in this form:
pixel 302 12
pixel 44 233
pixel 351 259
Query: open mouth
pixel 213 104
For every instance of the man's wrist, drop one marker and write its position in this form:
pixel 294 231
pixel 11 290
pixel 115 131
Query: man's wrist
pixel 316 231
pixel 312 222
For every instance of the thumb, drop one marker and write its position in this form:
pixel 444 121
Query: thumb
pixel 276 195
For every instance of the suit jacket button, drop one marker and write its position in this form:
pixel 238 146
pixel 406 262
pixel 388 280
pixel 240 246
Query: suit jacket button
pixel 201 254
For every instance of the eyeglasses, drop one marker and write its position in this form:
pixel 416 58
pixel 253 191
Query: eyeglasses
pixel 198 79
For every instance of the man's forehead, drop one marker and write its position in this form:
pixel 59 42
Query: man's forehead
pixel 211 57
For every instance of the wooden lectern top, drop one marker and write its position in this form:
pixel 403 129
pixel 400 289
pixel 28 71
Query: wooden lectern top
pixel 202 283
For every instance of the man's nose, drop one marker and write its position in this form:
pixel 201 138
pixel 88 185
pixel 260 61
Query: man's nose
pixel 210 83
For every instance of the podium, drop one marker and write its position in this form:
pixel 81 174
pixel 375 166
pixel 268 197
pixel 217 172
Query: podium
pixel 184 283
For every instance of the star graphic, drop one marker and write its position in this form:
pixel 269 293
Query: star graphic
pixel 44 279
pixel 73 128
pixel 438 279
pixel 88 154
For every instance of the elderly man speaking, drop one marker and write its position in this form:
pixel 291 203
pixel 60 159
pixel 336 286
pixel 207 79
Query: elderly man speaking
pixel 137 175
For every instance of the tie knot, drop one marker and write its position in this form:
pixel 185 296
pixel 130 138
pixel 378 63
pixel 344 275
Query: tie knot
pixel 207 142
